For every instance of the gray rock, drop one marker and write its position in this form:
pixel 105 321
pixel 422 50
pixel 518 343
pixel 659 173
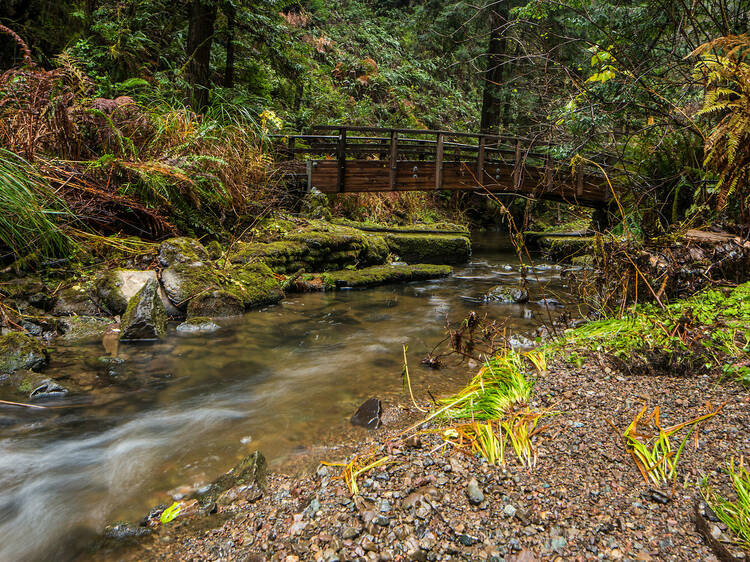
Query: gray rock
pixel 75 299
pixel 83 328
pixel 350 533
pixel 558 543
pixel 116 287
pixel 467 540
pixel 48 390
pixel 145 317
pixel 474 492
pixel 19 351
pixel 368 414
pixel 120 531
pixel 503 294
pixel 217 304
pixel 312 508
pixel 198 325
pixel 509 511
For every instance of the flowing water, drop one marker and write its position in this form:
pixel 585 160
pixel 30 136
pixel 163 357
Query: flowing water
pixel 174 415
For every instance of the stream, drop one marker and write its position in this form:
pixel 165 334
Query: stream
pixel 163 419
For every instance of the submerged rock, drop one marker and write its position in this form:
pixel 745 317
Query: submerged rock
pixel 368 414
pixel 503 294
pixel 198 325
pixel 47 390
pixel 216 303
pixel 83 328
pixel 145 317
pixel 19 351
pixel 77 300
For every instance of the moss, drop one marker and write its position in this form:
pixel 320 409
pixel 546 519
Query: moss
pixel 430 248
pixel 182 250
pixel 82 328
pixel 276 255
pixel 434 228
pixel 382 274
pixel 184 281
pixel 19 351
pixel 218 303
pixel 145 317
pixel 214 249
pixel 258 285
pixel 107 286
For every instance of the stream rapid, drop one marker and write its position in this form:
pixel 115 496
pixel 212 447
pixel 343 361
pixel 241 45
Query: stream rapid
pixel 163 419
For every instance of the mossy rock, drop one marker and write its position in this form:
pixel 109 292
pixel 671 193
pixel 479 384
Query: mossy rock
pixel 430 248
pixel 382 274
pixel 565 248
pixel 217 303
pixel 19 351
pixel 182 250
pixel 145 318
pixel 116 287
pixel 417 228
pixel 75 299
pixel 277 255
pixel 182 282
pixel 198 325
pixel 83 328
pixel 214 249
pixel 26 291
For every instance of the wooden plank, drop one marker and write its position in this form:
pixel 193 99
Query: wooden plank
pixel 341 157
pixel 393 161
pixel 439 161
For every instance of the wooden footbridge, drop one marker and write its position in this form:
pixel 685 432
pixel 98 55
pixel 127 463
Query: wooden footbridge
pixel 371 159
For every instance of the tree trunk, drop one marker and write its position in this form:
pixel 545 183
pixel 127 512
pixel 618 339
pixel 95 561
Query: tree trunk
pixel 231 13
pixel 492 102
pixel 200 37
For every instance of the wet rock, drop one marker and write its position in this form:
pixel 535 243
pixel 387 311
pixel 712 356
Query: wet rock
pixel 383 274
pixel 350 533
pixel 506 295
pixel 368 414
pixel 251 471
pixel 429 248
pixel 145 317
pixel 551 303
pixel 312 508
pixel 474 492
pixel 182 250
pixel 217 304
pixel 48 390
pixel 509 510
pixel 19 351
pixel 121 530
pixel 198 325
pixel 467 540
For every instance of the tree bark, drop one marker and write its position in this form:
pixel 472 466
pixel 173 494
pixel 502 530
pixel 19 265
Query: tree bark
pixel 200 37
pixel 492 102
pixel 231 13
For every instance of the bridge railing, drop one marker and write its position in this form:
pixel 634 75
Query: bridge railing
pixel 352 158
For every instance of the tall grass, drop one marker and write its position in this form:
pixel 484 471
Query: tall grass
pixel 734 514
pixel 30 213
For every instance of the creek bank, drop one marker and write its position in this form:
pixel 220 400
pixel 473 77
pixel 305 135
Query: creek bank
pixel 187 280
pixel 424 499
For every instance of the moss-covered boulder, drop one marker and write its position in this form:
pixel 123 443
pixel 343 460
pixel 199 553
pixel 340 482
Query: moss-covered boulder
pixel 215 303
pixel 184 281
pixel 27 291
pixel 145 318
pixel 116 287
pixel 36 386
pixel 182 250
pixel 430 248
pixel 383 274
pixel 19 351
pixel 75 299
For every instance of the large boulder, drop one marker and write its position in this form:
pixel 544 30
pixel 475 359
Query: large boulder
pixel 19 351
pixel 116 287
pixel 430 248
pixel 184 281
pixel 182 250
pixel 145 318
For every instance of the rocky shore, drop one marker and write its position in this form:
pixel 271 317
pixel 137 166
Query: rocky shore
pixel 584 499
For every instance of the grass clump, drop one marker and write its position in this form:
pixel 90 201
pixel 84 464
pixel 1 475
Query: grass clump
pixel 499 386
pixel 651 447
pixel 734 514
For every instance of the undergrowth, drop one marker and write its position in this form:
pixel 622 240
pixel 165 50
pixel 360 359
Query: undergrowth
pixel 734 514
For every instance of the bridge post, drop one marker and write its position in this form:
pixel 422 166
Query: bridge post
pixel 341 156
pixel 480 161
pixel 393 160
pixel 439 161
pixel 517 167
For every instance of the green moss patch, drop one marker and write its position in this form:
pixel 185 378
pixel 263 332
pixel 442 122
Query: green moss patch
pixel 19 351
pixel 382 274
pixel 430 248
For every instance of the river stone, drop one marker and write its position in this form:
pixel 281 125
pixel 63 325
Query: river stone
pixel 474 492
pixel 198 325
pixel 19 351
pixel 116 287
pixel 145 317
pixel 182 250
pixel 250 471
pixel 506 295
pixel 430 248
pixel 47 390
pixel 368 414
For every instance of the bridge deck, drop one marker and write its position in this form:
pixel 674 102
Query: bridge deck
pixel 421 160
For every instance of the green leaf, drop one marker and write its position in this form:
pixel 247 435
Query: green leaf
pixel 170 513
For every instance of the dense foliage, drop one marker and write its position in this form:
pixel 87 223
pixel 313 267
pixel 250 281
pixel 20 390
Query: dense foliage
pixel 151 116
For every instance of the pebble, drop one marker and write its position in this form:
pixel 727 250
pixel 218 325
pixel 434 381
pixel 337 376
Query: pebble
pixel 509 510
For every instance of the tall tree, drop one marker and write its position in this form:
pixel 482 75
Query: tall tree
pixel 492 99
pixel 201 22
